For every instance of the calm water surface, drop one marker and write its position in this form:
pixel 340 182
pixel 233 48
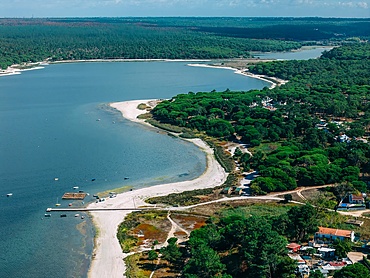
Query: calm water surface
pixel 296 55
pixel 50 128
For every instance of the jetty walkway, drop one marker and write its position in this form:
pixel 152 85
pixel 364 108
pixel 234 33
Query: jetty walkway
pixel 94 209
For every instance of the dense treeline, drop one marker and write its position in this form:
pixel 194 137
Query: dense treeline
pixel 310 147
pixel 244 246
pixel 72 39
pixel 31 40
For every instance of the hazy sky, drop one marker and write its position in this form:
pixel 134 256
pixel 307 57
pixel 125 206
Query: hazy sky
pixel 117 8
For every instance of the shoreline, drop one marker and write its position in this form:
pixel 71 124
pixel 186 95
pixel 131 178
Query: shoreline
pixel 108 257
pixel 272 80
pixel 17 69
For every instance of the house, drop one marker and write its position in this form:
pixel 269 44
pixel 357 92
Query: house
pixel 294 247
pixel 356 199
pixel 333 234
pixel 304 270
pixel 334 266
pixel 326 253
pixel 353 202
pixel 297 257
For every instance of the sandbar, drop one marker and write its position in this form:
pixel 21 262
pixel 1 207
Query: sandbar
pixel 108 256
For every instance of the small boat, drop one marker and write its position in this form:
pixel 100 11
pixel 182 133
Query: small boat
pixel 70 204
pixel 56 179
pixel 80 191
pixel 97 120
pixel 93 179
pixel 9 194
pixel 125 178
pixel 75 187
pixel 57 204
pixel 82 217
pixel 63 215
pixel 77 215
pixel 47 215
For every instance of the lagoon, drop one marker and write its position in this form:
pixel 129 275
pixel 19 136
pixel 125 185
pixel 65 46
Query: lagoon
pixel 55 123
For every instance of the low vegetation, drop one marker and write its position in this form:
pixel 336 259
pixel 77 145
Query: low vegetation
pixel 192 197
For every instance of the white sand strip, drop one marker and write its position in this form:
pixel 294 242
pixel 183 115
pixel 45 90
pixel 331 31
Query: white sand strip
pixel 108 256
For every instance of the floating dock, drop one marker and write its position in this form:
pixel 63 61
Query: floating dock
pixel 74 196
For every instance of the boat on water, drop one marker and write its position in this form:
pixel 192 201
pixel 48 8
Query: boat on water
pixel 56 179
pixel 77 215
pixel 63 215
pixel 47 215
pixel 9 194
pixel 75 187
pixel 57 203
pixel 82 217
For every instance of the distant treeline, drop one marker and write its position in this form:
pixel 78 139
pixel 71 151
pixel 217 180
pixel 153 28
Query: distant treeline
pixel 31 40
pixel 298 123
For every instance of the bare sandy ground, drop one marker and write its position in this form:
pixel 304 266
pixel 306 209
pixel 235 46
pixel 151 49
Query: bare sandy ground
pixel 108 257
pixel 274 81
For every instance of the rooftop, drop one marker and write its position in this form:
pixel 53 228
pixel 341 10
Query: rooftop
pixel 335 232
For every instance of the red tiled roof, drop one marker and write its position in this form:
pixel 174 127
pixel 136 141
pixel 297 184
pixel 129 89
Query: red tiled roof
pixel 293 245
pixel 334 232
pixel 337 263
pixel 357 197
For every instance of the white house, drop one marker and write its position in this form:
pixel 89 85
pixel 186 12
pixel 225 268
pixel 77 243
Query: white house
pixel 333 234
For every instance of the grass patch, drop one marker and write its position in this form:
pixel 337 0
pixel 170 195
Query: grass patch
pixel 145 116
pixel 118 190
pixel 192 197
pixel 167 127
pixel 188 135
pixel 225 160
pixel 132 267
pixel 266 147
pixel 257 209
pixel 143 106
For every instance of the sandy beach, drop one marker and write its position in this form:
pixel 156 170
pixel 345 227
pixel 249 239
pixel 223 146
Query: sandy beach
pixel 108 257
pixel 272 80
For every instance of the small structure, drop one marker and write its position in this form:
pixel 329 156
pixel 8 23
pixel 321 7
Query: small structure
pixel 355 222
pixel 334 266
pixel 333 234
pixel 294 247
pixel 326 253
pixel 228 190
pixel 356 199
pixel 238 191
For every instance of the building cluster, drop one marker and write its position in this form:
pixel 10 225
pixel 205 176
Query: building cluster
pixel 318 255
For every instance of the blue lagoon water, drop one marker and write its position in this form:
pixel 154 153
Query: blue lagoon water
pixel 294 55
pixel 49 129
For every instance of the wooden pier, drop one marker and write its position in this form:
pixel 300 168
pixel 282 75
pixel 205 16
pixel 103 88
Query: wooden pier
pixel 93 209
